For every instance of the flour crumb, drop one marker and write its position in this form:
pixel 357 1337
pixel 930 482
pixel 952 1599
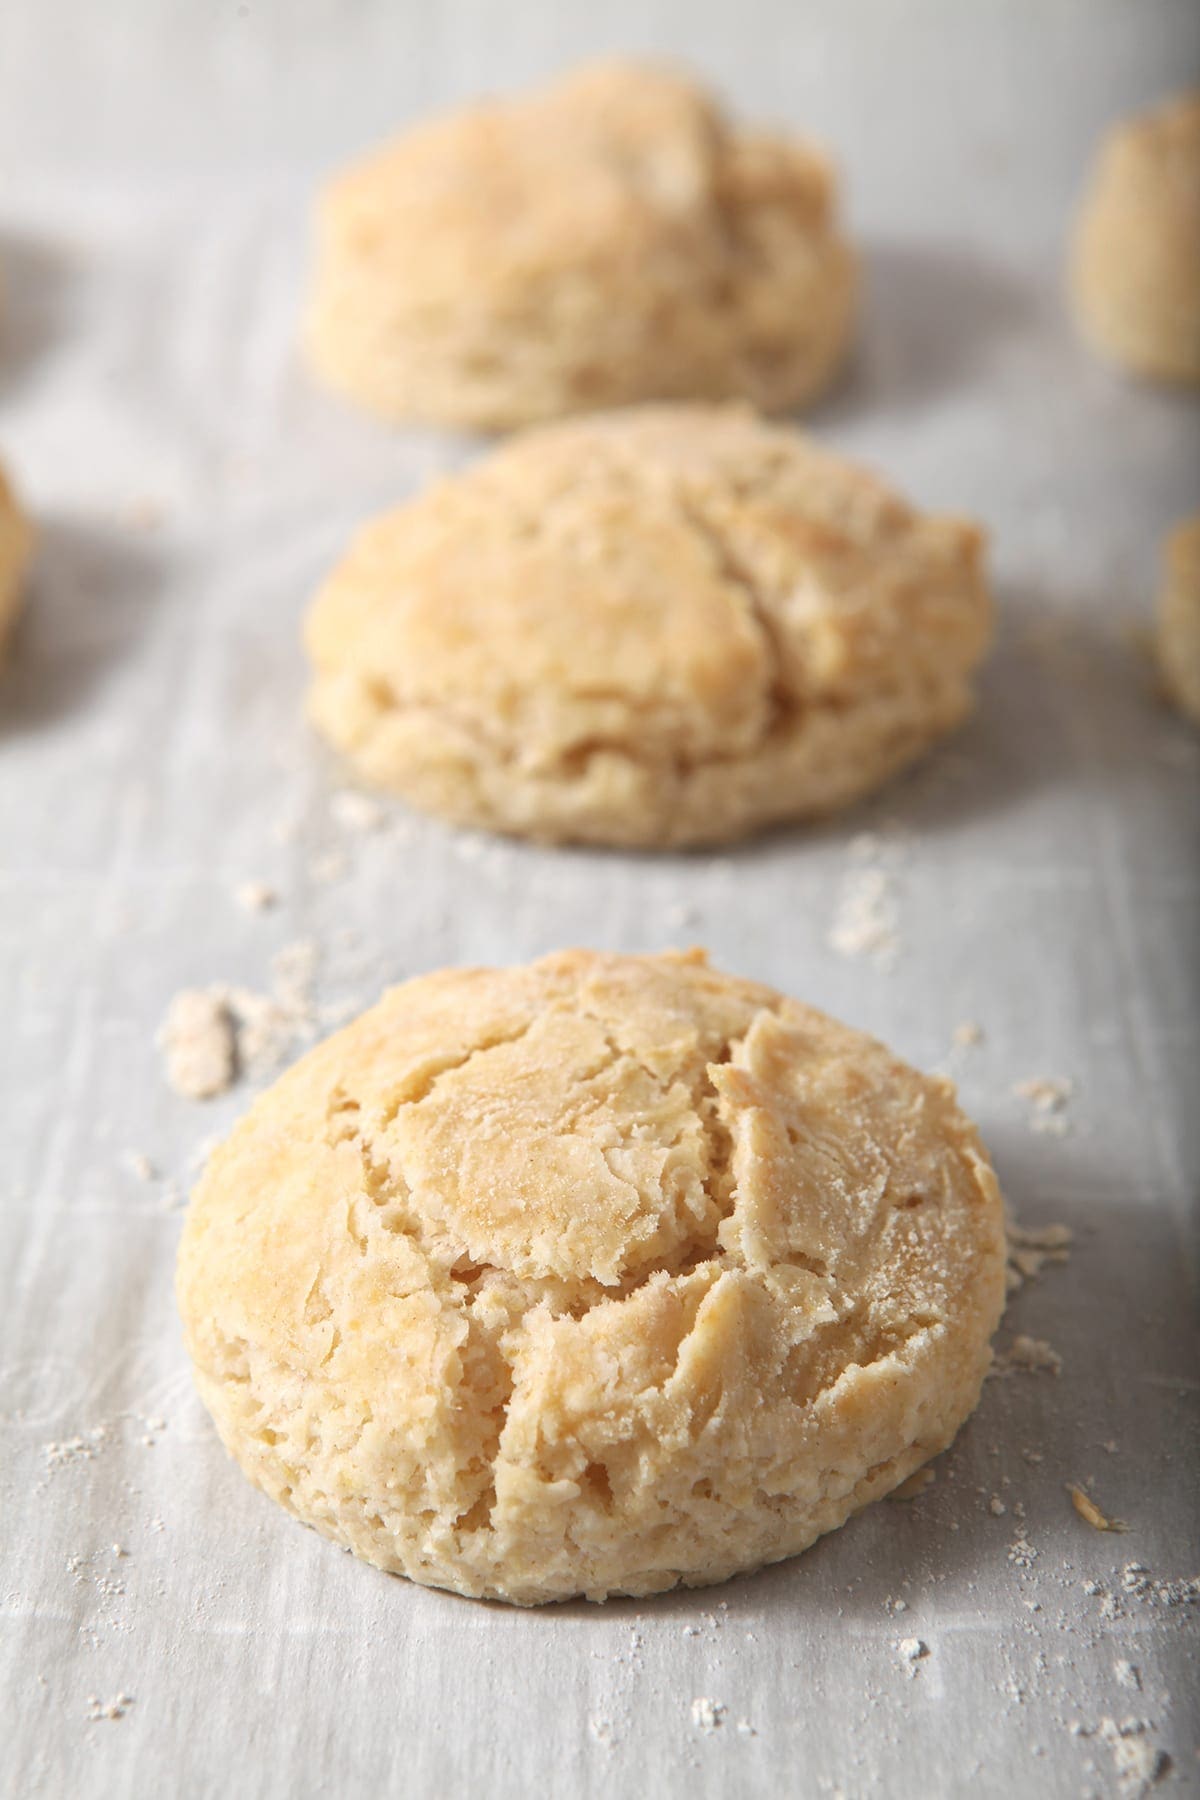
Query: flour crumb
pixel 912 1651
pixel 895 1605
pixel 1140 1584
pixel 1047 1096
pixel 968 1035
pixel 1138 1763
pixel 256 896
pixel 352 811
pixel 679 917
pixel 865 923
pixel 1128 1676
pixel 116 1708
pixel 213 1035
pixel 1021 1553
pixel 707 1715
pixel 1090 1513
pixel 82 1448
pixel 745 1729
pixel 1027 1356
pixel 1029 1248
pixel 997 1507
pixel 601 1732
pixel 328 867
pixel 199 1042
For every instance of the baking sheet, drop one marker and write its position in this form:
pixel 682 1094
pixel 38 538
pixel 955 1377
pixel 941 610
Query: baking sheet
pixel 166 1631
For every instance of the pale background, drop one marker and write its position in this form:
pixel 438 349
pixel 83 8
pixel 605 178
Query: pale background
pixel 191 488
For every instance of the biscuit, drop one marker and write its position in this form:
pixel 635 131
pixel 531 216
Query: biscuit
pixel 664 626
pixel 607 239
pixel 1178 622
pixel 16 545
pixel 1136 258
pixel 595 1276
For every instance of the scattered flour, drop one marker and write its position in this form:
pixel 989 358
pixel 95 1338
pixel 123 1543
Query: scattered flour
pixel 116 1708
pixel 867 917
pixel 866 922
pixel 707 1715
pixel 81 1448
pixel 1047 1097
pixel 1138 1763
pixel 213 1035
pixel 912 1652
pixel 256 896
pixel 352 811
pixel 1021 1553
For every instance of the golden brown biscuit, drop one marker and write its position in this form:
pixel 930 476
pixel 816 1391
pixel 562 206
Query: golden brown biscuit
pixel 667 626
pixel 607 239
pixel 16 545
pixel 1136 262
pixel 591 1277
pixel 1179 618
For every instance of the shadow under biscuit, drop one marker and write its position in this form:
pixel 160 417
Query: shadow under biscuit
pixel 932 316
pixel 36 278
pixel 86 603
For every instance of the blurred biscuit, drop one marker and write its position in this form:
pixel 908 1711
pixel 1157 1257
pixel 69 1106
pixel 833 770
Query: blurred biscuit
pixel 1136 259
pixel 1179 618
pixel 606 239
pixel 666 626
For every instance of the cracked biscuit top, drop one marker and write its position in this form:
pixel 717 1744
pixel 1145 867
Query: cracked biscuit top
pixel 592 1276
pixel 608 238
pixel 662 626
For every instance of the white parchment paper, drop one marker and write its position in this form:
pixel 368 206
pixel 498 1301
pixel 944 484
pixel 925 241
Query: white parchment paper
pixel 166 1632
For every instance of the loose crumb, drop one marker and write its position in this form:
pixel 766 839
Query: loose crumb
pixel 256 896
pixel 353 811
pixel 968 1035
pixel 1028 1356
pixel 141 1166
pixel 1047 1097
pixel 865 924
pixel 1030 1248
pixel 116 1708
pixel 707 1715
pixel 1137 1762
pixel 198 1039
pixel 213 1035
pixel 913 1651
pixel 1090 1513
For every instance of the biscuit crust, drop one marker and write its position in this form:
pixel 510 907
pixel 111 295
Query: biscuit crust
pixel 594 1276
pixel 1136 258
pixel 607 239
pixel 664 626
pixel 1178 623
